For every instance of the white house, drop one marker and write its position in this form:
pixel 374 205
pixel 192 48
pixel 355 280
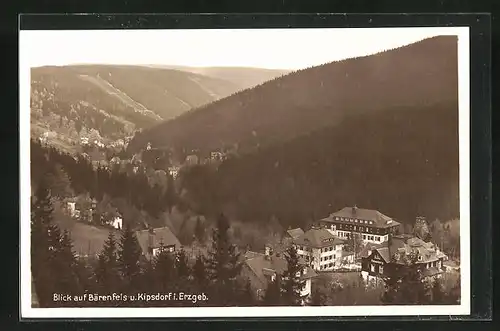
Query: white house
pixel 320 248
pixel 117 222
pixel 173 171
pixel 71 207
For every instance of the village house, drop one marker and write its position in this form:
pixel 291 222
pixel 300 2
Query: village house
pixel 386 259
pixel 371 225
pixel 152 241
pixel 263 268
pixel 71 207
pixel 173 171
pixel 116 222
pixel 320 248
pixel 84 140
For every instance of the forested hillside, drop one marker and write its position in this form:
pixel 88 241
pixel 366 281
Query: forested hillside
pixel 115 101
pixel 420 74
pixel 403 162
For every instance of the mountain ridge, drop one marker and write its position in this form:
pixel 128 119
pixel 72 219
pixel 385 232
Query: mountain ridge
pixel 417 74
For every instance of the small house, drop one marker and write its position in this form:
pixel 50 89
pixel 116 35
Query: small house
pixel 117 222
pixel 153 241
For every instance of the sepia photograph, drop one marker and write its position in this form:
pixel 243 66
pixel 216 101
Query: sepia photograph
pixel 245 172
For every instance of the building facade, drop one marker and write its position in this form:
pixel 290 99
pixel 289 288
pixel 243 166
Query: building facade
pixel 390 258
pixel 263 268
pixel 371 225
pixel 320 248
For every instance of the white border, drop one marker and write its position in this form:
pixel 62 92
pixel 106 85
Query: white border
pixel 336 311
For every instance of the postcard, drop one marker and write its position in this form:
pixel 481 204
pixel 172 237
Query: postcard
pixel 245 172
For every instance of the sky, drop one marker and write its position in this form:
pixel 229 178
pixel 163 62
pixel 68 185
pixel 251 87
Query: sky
pixel 262 48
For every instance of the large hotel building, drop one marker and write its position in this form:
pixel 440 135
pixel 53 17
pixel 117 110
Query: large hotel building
pixel 372 225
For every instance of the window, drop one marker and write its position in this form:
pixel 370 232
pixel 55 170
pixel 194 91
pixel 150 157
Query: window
pixel 372 267
pixel 364 236
pixel 381 269
pixel 333 256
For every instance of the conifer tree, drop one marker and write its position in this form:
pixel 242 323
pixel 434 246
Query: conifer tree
pixel 41 252
pixel 107 272
pixel 273 295
pixel 199 231
pixel 223 264
pixel 200 276
pixel 129 253
pixel 438 295
pixel 182 267
pixel 164 270
pixel 291 283
pixel 406 285
pixel 65 264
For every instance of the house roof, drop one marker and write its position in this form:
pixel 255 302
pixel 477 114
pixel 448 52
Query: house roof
pixel 160 236
pixel 405 245
pixel 295 233
pixel 263 266
pixel 349 215
pixel 317 238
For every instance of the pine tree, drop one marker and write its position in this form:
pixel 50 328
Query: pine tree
pixel 129 253
pixel 182 267
pixel 223 264
pixel 107 273
pixel 41 253
pixel 292 284
pixel 438 295
pixel 65 264
pixel 164 270
pixel 406 285
pixel 200 276
pixel 199 231
pixel 273 295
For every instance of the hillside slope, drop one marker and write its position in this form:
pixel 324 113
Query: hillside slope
pixel 420 74
pixel 403 162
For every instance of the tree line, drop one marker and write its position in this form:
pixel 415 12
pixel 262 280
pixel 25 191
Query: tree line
pixel 121 272
pixel 68 175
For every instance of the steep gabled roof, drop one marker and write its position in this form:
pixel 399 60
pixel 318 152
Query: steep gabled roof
pixel 317 238
pixel 160 236
pixel 295 233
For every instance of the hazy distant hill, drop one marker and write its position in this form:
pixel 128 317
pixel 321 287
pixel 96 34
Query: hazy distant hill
pixel 420 74
pixel 244 77
pixel 116 100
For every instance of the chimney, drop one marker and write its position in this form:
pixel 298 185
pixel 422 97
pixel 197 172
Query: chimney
pixel 354 209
